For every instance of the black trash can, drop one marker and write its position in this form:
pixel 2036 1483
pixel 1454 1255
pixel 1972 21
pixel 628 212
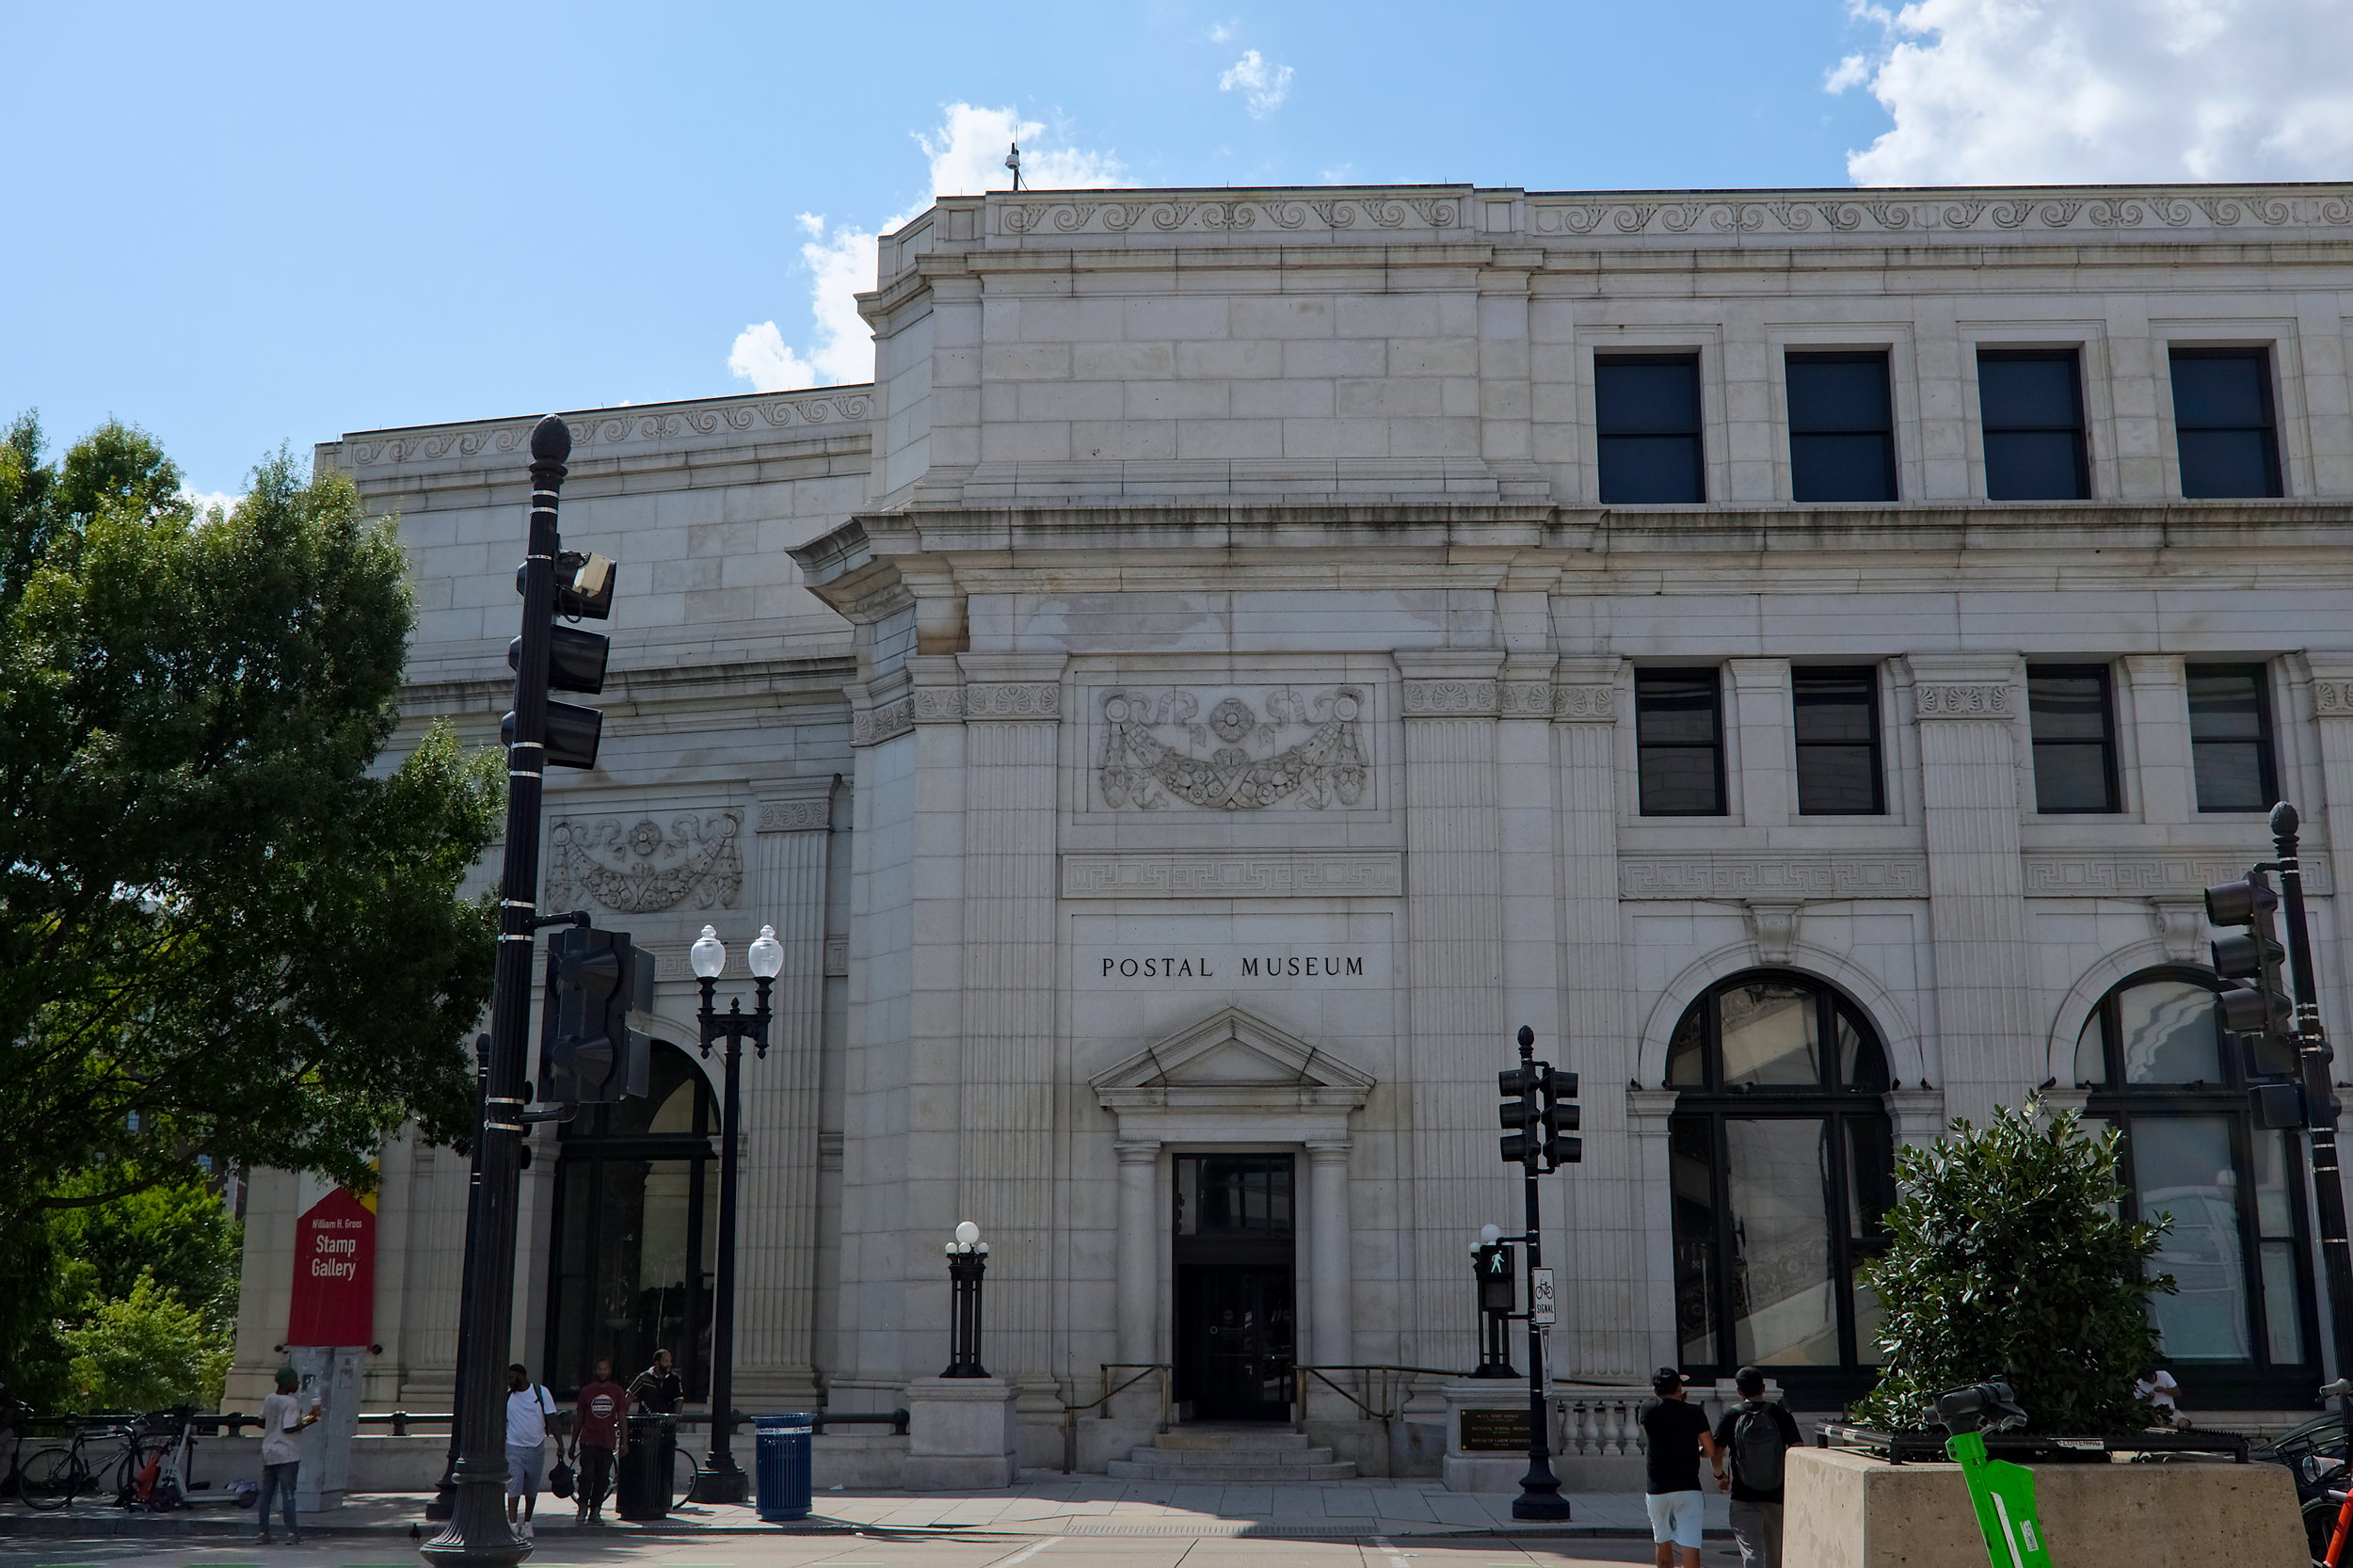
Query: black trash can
pixel 780 1464
pixel 643 1489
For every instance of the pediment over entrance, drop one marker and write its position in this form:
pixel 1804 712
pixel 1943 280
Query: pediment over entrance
pixel 1234 1060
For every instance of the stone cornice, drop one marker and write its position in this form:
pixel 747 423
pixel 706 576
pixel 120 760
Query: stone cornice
pixel 815 680
pixel 605 432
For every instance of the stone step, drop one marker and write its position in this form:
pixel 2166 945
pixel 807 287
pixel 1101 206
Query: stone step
pixel 1273 1458
pixel 1216 1440
pixel 1238 1468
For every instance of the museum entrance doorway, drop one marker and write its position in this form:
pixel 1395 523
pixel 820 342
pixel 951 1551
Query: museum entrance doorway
pixel 1235 1316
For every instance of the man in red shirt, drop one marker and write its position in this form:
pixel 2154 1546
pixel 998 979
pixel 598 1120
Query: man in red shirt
pixel 601 1434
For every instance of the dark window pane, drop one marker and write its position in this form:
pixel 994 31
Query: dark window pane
pixel 2222 421
pixel 1679 741
pixel 1691 1179
pixel 2034 465
pixel 1838 392
pixel 1841 468
pixel 2220 465
pixel 1647 396
pixel 2029 393
pixel 1638 471
pixel 2074 767
pixel 2230 734
pixel 2214 392
pixel 1837 741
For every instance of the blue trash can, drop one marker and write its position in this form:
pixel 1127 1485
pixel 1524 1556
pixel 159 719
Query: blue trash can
pixel 780 1464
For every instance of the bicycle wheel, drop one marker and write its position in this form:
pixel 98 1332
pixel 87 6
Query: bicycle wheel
pixel 51 1478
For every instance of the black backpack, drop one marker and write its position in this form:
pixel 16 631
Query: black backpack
pixel 1758 1448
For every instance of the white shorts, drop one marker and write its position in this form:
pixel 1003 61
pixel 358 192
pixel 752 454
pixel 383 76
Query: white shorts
pixel 1676 1517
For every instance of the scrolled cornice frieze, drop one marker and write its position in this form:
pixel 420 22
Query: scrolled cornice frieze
pixel 883 722
pixel 834 406
pixel 1584 704
pixel 1965 699
pixel 813 814
pixel 2333 699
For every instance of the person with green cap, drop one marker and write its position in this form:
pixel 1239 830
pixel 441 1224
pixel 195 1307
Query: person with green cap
pixel 283 1417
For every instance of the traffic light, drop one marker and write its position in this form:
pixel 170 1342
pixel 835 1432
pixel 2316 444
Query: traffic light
pixel 1560 1116
pixel 1522 1141
pixel 587 1051
pixel 2249 962
pixel 576 659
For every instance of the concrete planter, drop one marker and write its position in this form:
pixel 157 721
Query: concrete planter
pixel 1848 1510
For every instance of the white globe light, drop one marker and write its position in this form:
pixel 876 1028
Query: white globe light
pixel 966 1232
pixel 708 957
pixel 1490 1235
pixel 767 954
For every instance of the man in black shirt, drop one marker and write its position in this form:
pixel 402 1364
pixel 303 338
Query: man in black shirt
pixel 1679 1436
pixel 1754 1435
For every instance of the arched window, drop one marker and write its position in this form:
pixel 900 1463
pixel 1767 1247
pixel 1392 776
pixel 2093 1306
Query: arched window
pixel 636 1228
pixel 1782 1162
pixel 2157 1065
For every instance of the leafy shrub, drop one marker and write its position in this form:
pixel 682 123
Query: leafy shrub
pixel 145 1351
pixel 2006 1257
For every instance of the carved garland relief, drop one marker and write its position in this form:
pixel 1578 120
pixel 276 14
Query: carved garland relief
pixel 1284 746
pixel 637 867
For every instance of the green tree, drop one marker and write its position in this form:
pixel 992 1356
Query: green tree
pixel 2006 1257
pixel 144 1351
pixel 229 925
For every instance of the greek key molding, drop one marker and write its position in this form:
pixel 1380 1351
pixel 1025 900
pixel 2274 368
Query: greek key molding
pixel 876 725
pixel 1272 747
pixel 1019 699
pixel 2333 699
pixel 796 816
pixel 638 866
pixel 1971 699
pixel 1298 875
pixel 1584 704
pixel 2059 874
pixel 835 406
pixel 1790 877
pixel 1451 698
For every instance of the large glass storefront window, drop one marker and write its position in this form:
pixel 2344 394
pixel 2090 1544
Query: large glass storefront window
pixel 2240 1329
pixel 1781 1165
pixel 636 1228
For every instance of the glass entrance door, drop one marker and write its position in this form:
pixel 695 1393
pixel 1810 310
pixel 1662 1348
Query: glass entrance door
pixel 1235 1295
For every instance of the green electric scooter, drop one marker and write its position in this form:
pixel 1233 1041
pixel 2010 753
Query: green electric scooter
pixel 2002 1492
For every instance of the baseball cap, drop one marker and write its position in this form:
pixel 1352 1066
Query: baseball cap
pixel 1667 1380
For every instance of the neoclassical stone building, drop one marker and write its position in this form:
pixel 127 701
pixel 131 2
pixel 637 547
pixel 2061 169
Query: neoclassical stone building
pixel 1803 653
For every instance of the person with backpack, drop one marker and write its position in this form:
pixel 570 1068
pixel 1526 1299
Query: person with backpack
pixel 1757 1434
pixel 529 1406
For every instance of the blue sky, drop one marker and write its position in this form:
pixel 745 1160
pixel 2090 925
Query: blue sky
pixel 241 225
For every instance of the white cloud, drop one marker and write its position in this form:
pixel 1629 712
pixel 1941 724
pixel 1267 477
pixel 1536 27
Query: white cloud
pixel 2066 92
pixel 209 502
pixel 1263 87
pixel 1221 32
pixel 966 155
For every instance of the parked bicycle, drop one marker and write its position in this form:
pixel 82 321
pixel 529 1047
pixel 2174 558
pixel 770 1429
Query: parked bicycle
pixel 140 1462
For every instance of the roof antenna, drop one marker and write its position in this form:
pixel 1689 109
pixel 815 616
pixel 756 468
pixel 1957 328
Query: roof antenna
pixel 1012 161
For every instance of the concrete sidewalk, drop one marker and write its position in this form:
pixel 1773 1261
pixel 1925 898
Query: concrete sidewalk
pixel 1045 1502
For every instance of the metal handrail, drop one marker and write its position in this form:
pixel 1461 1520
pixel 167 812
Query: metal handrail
pixel 1102 1403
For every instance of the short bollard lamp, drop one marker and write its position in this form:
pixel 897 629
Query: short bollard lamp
pixel 719 1478
pixel 1491 1266
pixel 968 1260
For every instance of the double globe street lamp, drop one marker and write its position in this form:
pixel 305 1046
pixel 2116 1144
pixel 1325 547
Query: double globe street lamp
pixel 719 1478
pixel 968 1262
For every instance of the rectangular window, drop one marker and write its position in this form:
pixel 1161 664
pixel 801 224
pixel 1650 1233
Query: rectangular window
pixel 2031 402
pixel 2229 737
pixel 1647 410
pixel 1842 427
pixel 2075 736
pixel 1679 736
pixel 1838 741
pixel 2222 423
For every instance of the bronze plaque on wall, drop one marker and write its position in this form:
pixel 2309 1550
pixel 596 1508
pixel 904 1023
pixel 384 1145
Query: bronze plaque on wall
pixel 1495 1431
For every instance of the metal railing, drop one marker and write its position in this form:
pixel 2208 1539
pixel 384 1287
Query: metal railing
pixel 1101 1404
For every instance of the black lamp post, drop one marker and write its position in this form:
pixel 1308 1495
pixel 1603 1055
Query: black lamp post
pixel 719 1478
pixel 968 1261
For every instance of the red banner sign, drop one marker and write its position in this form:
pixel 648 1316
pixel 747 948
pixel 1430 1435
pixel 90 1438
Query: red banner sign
pixel 334 1274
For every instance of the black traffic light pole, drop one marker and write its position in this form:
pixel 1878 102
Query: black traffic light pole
pixel 477 1532
pixel 1539 1489
pixel 2320 1099
pixel 720 1480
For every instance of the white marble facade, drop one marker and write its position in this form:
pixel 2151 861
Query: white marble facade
pixel 1186 703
